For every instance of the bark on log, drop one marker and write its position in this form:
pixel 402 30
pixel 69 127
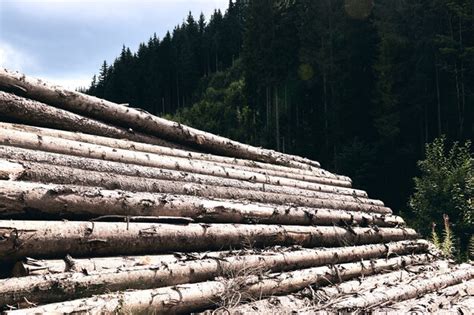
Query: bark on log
pixel 57 145
pixel 323 297
pixel 191 297
pixel 316 175
pixel 404 291
pixel 13 153
pixel 60 287
pixel 142 121
pixel 38 172
pixel 52 239
pixel 309 257
pixel 36 113
pixel 432 303
pixel 36 201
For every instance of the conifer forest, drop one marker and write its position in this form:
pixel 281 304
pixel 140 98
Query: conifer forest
pixel 359 85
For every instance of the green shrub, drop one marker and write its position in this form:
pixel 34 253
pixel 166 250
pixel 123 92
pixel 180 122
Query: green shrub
pixel 446 186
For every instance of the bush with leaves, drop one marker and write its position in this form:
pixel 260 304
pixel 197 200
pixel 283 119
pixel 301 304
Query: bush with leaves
pixel 446 186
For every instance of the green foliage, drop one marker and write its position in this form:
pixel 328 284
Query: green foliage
pixel 434 237
pixel 222 108
pixel 358 85
pixel 448 238
pixel 446 186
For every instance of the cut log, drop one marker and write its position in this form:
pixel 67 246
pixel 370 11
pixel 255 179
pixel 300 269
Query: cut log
pixel 142 121
pixel 104 166
pixel 322 297
pixel 316 175
pixel 308 258
pixel 191 297
pixel 52 239
pixel 45 289
pixel 432 303
pixel 36 201
pixel 404 291
pixel 69 147
pixel 29 111
pixel 38 172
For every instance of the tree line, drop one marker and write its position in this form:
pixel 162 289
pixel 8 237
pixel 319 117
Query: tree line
pixel 360 86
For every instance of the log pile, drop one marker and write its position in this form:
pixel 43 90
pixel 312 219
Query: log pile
pixel 106 208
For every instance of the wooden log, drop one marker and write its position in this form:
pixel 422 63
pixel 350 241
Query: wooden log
pixel 38 172
pixel 142 121
pixel 316 175
pixel 432 303
pixel 404 291
pixel 308 257
pixel 45 289
pixel 52 239
pixel 69 147
pixel 191 297
pixel 36 201
pixel 13 153
pixel 36 113
pixel 324 297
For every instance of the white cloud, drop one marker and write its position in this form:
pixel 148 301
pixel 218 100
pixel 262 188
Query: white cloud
pixel 15 59
pixel 108 9
pixel 69 82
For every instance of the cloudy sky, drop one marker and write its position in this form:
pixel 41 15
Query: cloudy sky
pixel 65 41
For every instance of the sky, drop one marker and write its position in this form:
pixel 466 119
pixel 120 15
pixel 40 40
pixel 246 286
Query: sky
pixel 66 41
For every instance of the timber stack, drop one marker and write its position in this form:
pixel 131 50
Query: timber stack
pixel 107 208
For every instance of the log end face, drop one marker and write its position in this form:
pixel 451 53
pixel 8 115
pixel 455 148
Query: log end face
pixel 10 171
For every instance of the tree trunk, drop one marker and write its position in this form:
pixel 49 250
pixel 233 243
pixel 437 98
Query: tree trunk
pixel 317 175
pixel 301 259
pixel 142 121
pixel 191 297
pixel 38 172
pixel 433 303
pixel 49 239
pixel 13 153
pixel 35 200
pixel 44 289
pixel 36 113
pixel 324 297
pixel 69 147
pixel 405 291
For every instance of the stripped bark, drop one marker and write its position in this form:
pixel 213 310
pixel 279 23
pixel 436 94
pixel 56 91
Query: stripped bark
pixel 404 291
pixel 38 172
pixel 320 298
pixel 191 297
pixel 14 153
pixel 29 111
pixel 44 289
pixel 49 239
pixel 69 147
pixel 308 258
pixel 316 175
pixel 439 301
pixel 143 121
pixel 36 200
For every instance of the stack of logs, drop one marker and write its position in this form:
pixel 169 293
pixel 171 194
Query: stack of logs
pixel 107 208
